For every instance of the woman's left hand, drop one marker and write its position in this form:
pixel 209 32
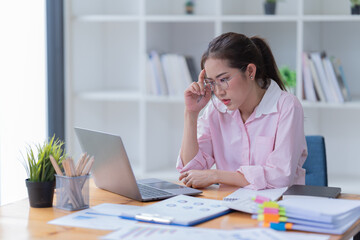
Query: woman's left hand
pixel 199 178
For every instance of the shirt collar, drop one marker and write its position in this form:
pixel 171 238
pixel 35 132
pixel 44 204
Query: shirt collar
pixel 268 103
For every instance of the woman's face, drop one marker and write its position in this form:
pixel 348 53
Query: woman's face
pixel 240 84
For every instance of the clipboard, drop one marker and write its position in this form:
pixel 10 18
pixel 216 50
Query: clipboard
pixel 181 210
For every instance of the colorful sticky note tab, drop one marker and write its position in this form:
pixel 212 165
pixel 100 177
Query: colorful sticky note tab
pixel 270 204
pixel 271 210
pixel 279 211
pixel 271 218
pixel 261 199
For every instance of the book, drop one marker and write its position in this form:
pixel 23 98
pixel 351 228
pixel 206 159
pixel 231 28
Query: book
pixel 341 78
pixel 342 74
pixel 185 73
pixel 317 84
pixel 330 74
pixel 192 68
pixel 174 73
pixel 326 86
pixel 153 78
pixel 181 210
pixel 168 73
pixel 309 89
pixel 158 73
pixel 315 191
pixel 151 85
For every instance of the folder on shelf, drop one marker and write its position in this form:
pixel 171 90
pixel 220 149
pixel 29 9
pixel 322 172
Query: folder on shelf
pixel 151 84
pixel 325 83
pixel 158 73
pixel 330 74
pixel 185 72
pixel 168 73
pixel 192 68
pixel 154 78
pixel 309 88
pixel 180 210
pixel 339 72
pixel 317 83
pixel 176 73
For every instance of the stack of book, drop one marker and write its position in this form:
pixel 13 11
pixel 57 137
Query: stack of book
pixel 313 214
pixel 324 79
pixel 169 74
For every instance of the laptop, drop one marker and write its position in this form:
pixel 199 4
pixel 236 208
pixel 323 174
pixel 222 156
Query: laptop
pixel 112 169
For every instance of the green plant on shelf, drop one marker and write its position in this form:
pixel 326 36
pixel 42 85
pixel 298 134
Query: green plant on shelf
pixel 288 77
pixel 189 6
pixel 355 3
pixel 37 160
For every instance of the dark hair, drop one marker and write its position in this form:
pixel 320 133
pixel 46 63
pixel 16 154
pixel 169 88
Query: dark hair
pixel 239 51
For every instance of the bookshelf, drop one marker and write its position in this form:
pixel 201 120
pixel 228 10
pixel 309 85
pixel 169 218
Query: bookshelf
pixel 106 46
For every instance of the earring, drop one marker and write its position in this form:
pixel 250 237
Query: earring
pixel 251 77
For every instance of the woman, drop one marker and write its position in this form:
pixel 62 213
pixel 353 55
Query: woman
pixel 252 130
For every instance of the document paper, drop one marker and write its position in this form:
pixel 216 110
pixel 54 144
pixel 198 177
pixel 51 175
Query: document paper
pixel 103 217
pixel 142 231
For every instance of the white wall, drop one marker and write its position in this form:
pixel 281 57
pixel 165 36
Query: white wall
pixel 22 90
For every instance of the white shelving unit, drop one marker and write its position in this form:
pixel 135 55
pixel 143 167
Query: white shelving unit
pixel 106 46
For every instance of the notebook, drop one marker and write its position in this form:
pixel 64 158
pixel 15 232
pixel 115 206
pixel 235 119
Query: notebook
pixel 180 210
pixel 315 191
pixel 112 169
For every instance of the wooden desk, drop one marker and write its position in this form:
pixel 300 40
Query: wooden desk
pixel 19 221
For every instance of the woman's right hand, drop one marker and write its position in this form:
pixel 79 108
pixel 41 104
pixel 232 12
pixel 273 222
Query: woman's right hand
pixel 193 93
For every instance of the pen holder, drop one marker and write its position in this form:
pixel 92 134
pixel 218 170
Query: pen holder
pixel 72 193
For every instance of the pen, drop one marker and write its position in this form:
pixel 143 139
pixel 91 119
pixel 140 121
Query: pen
pixel 200 97
pixel 278 226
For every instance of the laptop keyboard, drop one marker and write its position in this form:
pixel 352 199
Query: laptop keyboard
pixel 147 191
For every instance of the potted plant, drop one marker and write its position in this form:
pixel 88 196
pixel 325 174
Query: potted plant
pixel 270 7
pixel 288 77
pixel 189 6
pixel 355 6
pixel 41 181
